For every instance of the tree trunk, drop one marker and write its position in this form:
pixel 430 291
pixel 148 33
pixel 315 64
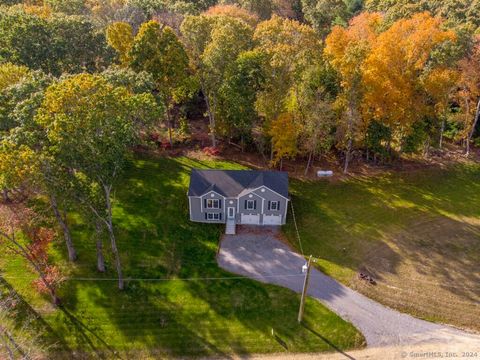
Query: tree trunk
pixel 113 240
pixel 348 153
pixel 442 129
pixel 99 241
pixel 472 130
pixel 72 254
pixel 6 198
pixel 309 162
pixel 169 124
pixel 211 117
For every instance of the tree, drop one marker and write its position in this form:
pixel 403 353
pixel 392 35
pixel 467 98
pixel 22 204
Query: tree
pixel 158 51
pixel 51 44
pixel 91 126
pixel 238 93
pixel 32 248
pixel 290 48
pixel 11 74
pixel 214 44
pixel 284 138
pixel 393 71
pixel 235 12
pixel 313 104
pixel 323 14
pixel 468 94
pixel 120 37
pixel 440 84
pixel 346 50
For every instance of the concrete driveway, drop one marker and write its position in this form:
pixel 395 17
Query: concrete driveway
pixel 261 256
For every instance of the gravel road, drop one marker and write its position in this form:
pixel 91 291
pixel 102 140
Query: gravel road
pixel 260 255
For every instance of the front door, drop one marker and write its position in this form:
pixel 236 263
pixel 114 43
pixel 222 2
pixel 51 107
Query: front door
pixel 231 213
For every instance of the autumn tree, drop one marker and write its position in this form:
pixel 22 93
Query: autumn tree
pixel 120 37
pixel 440 84
pixel 233 11
pixel 346 49
pixel 10 74
pixel 290 48
pixel 468 94
pixel 393 70
pixel 159 52
pixel 284 138
pixel 21 234
pixel 91 126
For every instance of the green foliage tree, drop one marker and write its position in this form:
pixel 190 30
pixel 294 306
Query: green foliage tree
pixel 159 52
pixel 51 44
pixel 214 44
pixel 238 93
pixel 91 126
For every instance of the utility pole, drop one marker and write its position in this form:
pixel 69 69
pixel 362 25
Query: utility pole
pixel 305 288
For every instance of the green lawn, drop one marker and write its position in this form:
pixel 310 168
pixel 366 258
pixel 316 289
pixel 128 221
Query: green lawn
pixel 179 316
pixel 418 233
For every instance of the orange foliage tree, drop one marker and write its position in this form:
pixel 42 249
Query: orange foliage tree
pixel 235 12
pixel 392 73
pixel 22 235
pixel 346 49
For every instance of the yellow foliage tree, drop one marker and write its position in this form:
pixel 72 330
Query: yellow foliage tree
pixel 120 37
pixel 284 138
pixel 439 85
pixel 347 49
pixel 11 74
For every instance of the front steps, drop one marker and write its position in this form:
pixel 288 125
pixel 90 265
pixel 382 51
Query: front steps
pixel 230 227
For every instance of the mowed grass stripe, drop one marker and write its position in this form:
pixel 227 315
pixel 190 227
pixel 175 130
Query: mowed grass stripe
pixel 178 318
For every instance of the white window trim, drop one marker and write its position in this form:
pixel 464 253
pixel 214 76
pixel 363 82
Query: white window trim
pixel 213 216
pixel 250 202
pixel 213 202
pixel 276 205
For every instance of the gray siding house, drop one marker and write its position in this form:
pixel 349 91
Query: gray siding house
pixel 238 197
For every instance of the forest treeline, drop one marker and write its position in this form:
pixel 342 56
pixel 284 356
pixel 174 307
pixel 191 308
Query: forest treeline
pixel 82 82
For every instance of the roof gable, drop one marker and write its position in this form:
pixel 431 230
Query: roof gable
pixel 230 183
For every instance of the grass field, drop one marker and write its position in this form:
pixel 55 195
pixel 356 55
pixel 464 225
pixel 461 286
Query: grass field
pixel 177 315
pixel 417 233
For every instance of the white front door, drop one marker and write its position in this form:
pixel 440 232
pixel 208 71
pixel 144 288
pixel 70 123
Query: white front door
pixel 231 213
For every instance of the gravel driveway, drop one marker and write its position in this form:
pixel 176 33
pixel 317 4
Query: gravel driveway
pixel 260 255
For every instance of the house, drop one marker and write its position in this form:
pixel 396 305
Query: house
pixel 238 197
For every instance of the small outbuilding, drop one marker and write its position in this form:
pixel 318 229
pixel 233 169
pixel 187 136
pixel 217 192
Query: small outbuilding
pixel 238 197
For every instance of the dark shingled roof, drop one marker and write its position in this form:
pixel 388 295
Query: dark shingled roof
pixel 230 183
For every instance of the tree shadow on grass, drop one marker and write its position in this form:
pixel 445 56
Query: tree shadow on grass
pixel 419 230
pixel 50 340
pixel 323 338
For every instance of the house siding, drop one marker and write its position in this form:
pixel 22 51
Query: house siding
pixel 271 196
pixel 198 210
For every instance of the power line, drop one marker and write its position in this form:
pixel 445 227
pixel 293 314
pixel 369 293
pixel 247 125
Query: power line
pixel 296 228
pixel 167 279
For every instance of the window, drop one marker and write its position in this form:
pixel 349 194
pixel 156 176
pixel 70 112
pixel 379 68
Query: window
pixel 212 204
pixel 250 204
pixel 274 205
pixel 213 216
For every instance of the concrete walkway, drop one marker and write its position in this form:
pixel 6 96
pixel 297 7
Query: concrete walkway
pixel 263 257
